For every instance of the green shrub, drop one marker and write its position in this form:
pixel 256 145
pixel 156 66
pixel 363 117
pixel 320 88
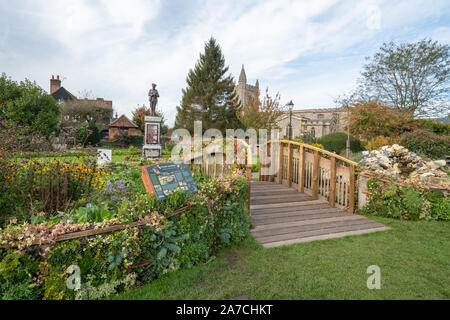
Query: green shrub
pixel 129 152
pixel 198 225
pixel 136 141
pixel 87 134
pixel 307 137
pixel 426 143
pixel 440 205
pixel 16 276
pixel 29 105
pixel 434 126
pixel 337 142
pixel 406 202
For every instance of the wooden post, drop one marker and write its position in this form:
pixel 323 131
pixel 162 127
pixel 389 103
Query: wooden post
pixel 269 155
pixel 289 166
pixel 224 160
pixel 248 174
pixel 260 165
pixel 280 163
pixel 315 177
pixel 351 190
pixel 301 166
pixel 332 193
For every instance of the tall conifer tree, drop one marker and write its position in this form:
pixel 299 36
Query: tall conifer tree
pixel 209 96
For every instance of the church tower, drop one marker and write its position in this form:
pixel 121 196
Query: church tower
pixel 243 89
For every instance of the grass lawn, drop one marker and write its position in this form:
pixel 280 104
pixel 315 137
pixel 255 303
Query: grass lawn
pixel 414 258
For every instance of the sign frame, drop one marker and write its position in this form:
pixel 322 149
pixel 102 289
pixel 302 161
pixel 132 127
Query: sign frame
pixel 167 177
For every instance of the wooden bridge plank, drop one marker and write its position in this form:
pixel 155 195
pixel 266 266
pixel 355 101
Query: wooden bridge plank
pixel 261 185
pixel 279 200
pixel 287 204
pixel 303 234
pixel 303 222
pixel 279 188
pixel 256 212
pixel 282 195
pixel 275 214
pixel 258 222
pixel 324 237
pixel 311 227
pixel 268 193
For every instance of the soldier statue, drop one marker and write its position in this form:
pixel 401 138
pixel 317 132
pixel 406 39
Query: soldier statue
pixel 153 97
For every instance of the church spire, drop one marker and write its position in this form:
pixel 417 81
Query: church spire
pixel 242 76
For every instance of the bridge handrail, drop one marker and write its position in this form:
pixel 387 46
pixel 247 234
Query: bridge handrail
pixel 236 141
pixel 308 146
pixel 313 172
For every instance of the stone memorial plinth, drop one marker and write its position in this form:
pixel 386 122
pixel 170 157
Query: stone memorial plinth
pixel 152 138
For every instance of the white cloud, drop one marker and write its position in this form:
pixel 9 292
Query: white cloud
pixel 116 49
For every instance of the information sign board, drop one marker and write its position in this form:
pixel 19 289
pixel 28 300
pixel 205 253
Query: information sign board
pixel 164 178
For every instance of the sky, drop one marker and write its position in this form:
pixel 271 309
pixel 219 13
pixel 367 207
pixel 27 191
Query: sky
pixel 308 51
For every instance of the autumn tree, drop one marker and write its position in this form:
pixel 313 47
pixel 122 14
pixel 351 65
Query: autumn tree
pixel 369 119
pixel 209 96
pixel 78 111
pixel 412 77
pixel 141 112
pixel 263 114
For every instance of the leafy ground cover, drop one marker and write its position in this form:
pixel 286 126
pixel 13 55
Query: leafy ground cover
pixel 414 257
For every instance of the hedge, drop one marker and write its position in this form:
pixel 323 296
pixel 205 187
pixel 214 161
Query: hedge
pixel 427 143
pixel 337 142
pixel 137 141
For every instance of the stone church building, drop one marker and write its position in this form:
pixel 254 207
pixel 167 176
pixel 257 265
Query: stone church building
pixel 318 122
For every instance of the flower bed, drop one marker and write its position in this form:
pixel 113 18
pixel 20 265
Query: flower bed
pixel 146 238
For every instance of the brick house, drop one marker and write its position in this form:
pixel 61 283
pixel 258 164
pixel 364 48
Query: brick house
pixel 61 94
pixel 123 126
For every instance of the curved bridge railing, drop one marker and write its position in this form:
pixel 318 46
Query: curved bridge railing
pixel 211 160
pixel 314 171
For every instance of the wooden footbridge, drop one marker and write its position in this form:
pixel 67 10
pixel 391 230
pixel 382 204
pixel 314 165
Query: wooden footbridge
pixel 304 193
pixel 281 215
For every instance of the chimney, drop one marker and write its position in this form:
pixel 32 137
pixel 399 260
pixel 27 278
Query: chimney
pixel 55 84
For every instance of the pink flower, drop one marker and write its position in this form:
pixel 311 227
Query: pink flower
pixel 13 221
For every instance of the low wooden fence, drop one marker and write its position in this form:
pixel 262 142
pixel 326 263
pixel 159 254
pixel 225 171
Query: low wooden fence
pixel 314 171
pixel 94 232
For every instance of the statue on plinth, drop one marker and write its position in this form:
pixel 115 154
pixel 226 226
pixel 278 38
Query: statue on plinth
pixel 153 98
pixel 152 138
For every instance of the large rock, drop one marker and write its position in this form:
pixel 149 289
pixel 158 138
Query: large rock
pixel 398 162
pixel 436 164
